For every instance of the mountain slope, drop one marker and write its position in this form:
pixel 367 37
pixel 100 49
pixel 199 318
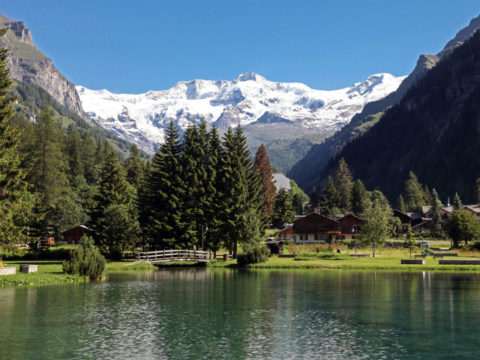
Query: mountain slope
pixel 434 131
pixel 268 110
pixel 26 63
pixel 308 170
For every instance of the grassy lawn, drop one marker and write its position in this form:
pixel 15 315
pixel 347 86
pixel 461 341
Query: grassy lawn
pixel 50 272
pixel 386 259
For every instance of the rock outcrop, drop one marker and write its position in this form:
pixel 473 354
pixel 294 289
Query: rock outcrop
pixel 27 63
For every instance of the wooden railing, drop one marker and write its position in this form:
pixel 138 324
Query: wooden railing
pixel 174 254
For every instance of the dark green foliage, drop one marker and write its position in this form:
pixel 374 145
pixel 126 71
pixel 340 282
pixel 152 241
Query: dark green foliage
pixel 359 197
pixel 134 167
pixel 401 204
pixel 85 260
pixel 16 202
pixel 165 194
pixel 314 201
pixel 457 202
pixel 114 217
pixel 255 255
pixel 433 131
pixel 47 161
pixel 463 226
pixel 328 203
pixel 297 203
pixel 343 185
pixel 414 194
pixel 283 210
pixel 436 216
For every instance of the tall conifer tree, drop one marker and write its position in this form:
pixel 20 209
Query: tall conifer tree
pixel 262 164
pixel 414 194
pixel 166 192
pixel 359 197
pixel 114 217
pixel 343 184
pixel 15 200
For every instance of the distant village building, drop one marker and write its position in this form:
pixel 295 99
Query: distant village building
pixel 316 228
pixel 73 235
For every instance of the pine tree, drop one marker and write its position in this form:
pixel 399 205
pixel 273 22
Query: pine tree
pixel 329 199
pixel 166 190
pixel 194 175
pixel 262 164
pixel 213 234
pixel 241 190
pixel 87 153
pixel 297 203
pixel 457 202
pixel 114 218
pixel 343 184
pixel 314 201
pixel 436 215
pixel 74 154
pixel 427 195
pixel 359 197
pixel 48 174
pixel 15 201
pixel 401 204
pixel 414 194
pixel 283 211
pixel 134 167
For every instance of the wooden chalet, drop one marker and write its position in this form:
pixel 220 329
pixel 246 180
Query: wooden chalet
pixel 73 235
pixel 410 220
pixel 316 228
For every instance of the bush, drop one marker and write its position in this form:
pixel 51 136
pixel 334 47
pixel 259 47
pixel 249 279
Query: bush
pixel 255 255
pixel 85 260
pixel 1 265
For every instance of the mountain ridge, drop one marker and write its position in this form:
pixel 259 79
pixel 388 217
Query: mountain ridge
pixel 249 100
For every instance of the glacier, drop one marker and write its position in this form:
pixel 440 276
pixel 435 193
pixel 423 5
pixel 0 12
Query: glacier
pixel 249 99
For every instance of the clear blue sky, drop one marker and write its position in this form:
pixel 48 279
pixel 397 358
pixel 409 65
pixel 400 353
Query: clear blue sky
pixel 135 46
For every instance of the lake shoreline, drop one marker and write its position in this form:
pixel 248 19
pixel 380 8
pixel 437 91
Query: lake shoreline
pixel 50 272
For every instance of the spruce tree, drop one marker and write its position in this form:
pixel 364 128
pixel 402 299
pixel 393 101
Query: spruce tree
pixel 241 192
pixel 213 229
pixel 401 204
pixel 114 218
pixel 414 194
pixel 15 201
pixel 457 202
pixel 343 184
pixel 283 210
pixel 329 199
pixel 359 197
pixel 48 173
pixel 314 201
pixel 74 154
pixel 134 167
pixel 262 164
pixel 194 175
pixel 166 191
pixel 436 215
pixel 87 153
pixel 297 203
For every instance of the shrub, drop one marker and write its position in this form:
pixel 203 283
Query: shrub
pixel 85 260
pixel 1 265
pixel 254 255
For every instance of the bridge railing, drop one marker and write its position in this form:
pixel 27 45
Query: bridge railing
pixel 173 254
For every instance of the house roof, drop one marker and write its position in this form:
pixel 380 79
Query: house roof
pixel 77 227
pixel 475 208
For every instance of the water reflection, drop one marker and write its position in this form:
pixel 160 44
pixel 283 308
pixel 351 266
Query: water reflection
pixel 202 313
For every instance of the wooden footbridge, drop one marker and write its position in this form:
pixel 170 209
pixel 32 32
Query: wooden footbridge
pixel 162 256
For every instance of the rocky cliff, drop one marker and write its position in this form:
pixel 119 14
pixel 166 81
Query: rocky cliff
pixel 27 63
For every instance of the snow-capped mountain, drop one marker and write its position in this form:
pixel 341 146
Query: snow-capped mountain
pixel 249 99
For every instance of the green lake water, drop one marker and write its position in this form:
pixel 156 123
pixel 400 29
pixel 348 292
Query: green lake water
pixel 229 314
